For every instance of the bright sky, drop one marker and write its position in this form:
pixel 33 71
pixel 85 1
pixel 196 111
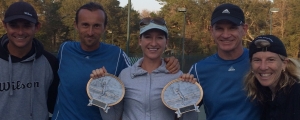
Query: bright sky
pixel 139 5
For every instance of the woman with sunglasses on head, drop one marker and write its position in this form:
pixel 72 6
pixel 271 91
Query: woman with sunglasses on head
pixel 273 79
pixel 145 80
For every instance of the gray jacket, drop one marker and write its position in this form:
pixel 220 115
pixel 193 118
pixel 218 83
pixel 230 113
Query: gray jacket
pixel 28 85
pixel 142 100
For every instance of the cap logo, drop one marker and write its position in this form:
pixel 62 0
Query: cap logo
pixel 266 38
pixel 27 13
pixel 226 11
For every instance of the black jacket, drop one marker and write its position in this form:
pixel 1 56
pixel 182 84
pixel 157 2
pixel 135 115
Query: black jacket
pixel 285 106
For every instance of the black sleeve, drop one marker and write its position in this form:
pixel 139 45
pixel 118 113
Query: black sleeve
pixel 53 89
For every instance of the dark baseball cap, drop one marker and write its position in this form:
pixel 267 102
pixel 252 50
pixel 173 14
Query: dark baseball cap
pixel 230 12
pixel 20 10
pixel 269 43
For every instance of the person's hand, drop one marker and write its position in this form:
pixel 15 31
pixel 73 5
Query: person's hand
pixel 188 78
pixel 98 73
pixel 172 64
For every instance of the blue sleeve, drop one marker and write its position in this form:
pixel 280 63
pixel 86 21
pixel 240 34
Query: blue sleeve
pixel 193 71
pixel 123 63
pixel 60 50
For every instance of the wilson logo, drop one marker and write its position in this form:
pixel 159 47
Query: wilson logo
pixel 5 86
pixel 27 13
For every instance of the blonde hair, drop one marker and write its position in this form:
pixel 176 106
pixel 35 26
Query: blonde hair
pixel 288 77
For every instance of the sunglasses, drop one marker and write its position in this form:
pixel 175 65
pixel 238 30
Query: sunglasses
pixel 261 43
pixel 148 20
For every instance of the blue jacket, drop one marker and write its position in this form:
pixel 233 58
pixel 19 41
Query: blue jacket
pixel 222 83
pixel 75 67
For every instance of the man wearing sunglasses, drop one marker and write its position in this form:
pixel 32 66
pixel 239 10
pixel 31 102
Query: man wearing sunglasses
pixel 78 59
pixel 221 75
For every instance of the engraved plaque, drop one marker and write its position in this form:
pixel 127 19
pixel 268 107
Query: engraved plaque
pixel 182 96
pixel 105 91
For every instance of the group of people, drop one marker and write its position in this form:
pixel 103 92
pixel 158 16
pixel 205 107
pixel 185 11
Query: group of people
pixel 238 83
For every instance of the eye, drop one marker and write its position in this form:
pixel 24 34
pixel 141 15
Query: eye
pixel 255 60
pixel 84 25
pixel 28 25
pixel 218 28
pixel 161 37
pixel 13 25
pixel 234 27
pixel 97 26
pixel 271 59
pixel 147 36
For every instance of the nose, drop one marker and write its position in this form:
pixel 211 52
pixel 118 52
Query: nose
pixel 20 30
pixel 90 31
pixel 153 41
pixel 226 34
pixel 263 65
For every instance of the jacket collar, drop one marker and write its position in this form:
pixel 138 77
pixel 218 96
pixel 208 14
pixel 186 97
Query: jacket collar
pixel 137 70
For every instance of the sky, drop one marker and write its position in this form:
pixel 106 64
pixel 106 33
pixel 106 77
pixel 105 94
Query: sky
pixel 139 5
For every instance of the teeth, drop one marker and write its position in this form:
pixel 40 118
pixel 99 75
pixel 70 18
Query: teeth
pixel 265 75
pixel 21 38
pixel 152 49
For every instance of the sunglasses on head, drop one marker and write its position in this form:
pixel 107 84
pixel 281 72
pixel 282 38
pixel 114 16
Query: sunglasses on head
pixel 261 43
pixel 148 20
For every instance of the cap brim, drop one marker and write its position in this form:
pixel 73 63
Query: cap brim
pixel 8 19
pixel 153 26
pixel 229 18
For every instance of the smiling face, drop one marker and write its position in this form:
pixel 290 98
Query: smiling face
pixel 90 27
pixel 267 67
pixel 228 36
pixel 20 33
pixel 153 43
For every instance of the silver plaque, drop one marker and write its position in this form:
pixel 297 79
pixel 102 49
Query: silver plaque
pixel 105 91
pixel 182 96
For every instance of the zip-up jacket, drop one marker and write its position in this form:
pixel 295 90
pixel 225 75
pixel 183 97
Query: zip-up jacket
pixel 75 66
pixel 28 85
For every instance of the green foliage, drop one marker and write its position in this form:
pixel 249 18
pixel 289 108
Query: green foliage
pixel 57 19
pixel 286 24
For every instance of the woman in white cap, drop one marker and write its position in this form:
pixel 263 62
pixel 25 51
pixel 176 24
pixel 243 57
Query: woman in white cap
pixel 145 79
pixel 273 79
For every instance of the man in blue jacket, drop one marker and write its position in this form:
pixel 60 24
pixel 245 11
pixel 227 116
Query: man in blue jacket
pixel 221 74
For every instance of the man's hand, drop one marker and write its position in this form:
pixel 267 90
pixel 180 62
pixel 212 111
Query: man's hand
pixel 98 73
pixel 188 78
pixel 172 64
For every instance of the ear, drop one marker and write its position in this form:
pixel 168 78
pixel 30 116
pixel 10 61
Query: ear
pixel 245 28
pixel 285 62
pixel 4 24
pixel 167 41
pixel 140 40
pixel 211 30
pixel 75 25
pixel 38 26
pixel 105 30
